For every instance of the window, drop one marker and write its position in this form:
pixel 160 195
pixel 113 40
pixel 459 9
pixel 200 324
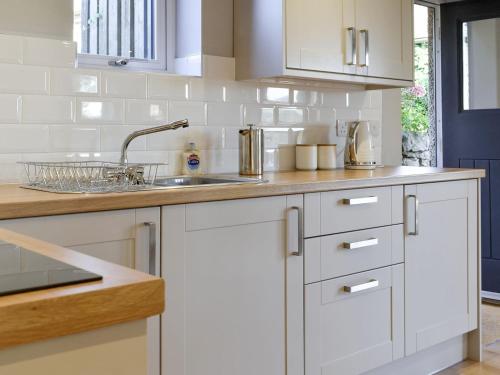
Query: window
pixel 125 33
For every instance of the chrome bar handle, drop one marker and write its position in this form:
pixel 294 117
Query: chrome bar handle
pixel 351 43
pixel 360 244
pixel 358 201
pixel 152 246
pixel 415 230
pixel 294 231
pixel 365 36
pixel 360 287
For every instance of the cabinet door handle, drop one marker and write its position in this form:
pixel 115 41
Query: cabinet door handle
pixel 152 246
pixel 359 244
pixel 360 287
pixel 415 229
pixel 357 201
pixel 365 36
pixel 351 53
pixel 294 231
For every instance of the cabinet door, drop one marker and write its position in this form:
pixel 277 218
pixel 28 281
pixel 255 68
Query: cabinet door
pixel 315 35
pixel 385 38
pixel 352 331
pixel 441 262
pixel 234 288
pixel 120 237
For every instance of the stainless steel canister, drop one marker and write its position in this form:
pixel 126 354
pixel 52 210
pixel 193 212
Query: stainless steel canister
pixel 251 142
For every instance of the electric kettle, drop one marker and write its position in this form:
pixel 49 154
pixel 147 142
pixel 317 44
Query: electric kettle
pixel 359 148
pixel 251 142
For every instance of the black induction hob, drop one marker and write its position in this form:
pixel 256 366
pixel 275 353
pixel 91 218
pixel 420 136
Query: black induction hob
pixel 22 270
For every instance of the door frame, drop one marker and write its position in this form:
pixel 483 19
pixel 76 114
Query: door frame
pixel 437 78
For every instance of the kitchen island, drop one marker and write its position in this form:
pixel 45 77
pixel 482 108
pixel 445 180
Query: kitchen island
pixel 312 272
pixel 82 328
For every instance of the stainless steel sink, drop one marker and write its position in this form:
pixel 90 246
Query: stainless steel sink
pixel 193 181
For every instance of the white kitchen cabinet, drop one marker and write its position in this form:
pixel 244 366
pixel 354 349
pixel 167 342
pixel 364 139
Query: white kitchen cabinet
pixel 354 323
pixel 441 262
pixel 385 38
pixel 314 35
pixel 367 42
pixel 234 287
pixel 121 237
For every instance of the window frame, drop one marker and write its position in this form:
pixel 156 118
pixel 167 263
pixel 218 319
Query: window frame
pixel 164 44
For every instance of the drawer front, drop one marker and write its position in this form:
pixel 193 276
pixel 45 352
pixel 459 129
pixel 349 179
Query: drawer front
pixel 347 210
pixel 347 253
pixel 355 323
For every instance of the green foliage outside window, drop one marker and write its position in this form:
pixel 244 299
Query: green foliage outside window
pixel 415 100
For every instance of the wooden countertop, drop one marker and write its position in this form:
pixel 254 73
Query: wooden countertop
pixel 16 202
pixel 122 295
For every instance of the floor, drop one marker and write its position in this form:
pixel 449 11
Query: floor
pixel 491 342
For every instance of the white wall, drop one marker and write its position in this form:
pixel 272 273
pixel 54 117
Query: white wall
pixel 391 135
pixel 42 18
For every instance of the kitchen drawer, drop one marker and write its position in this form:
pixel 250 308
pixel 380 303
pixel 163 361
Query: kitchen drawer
pixel 353 332
pixel 347 210
pixel 347 253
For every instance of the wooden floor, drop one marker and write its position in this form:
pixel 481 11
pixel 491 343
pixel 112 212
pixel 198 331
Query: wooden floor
pixel 491 344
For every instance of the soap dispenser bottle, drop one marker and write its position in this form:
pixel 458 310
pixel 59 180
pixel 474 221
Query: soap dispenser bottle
pixel 191 160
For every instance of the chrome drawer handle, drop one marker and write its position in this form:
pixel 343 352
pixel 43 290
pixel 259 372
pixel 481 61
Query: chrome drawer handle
pixel 360 244
pixel 415 228
pixel 362 200
pixel 350 43
pixel 294 232
pixel 360 287
pixel 152 247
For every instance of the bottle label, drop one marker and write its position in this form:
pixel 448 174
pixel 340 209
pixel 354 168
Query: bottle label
pixel 193 162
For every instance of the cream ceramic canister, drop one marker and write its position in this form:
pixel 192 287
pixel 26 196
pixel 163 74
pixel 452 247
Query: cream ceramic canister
pixel 327 156
pixel 306 157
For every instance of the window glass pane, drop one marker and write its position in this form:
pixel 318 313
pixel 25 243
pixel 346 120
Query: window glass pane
pixel 121 28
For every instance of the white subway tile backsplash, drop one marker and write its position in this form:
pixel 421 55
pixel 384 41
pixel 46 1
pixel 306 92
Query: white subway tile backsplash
pixel 207 90
pixel 225 114
pixel 10 108
pixel 112 137
pixel 291 115
pixel 304 97
pixel 334 99
pixel 20 79
pixel 164 86
pixel 321 116
pixel 195 112
pixel 24 138
pixel 100 111
pixel 40 109
pixel 49 52
pixel 82 82
pixel 274 95
pixel 124 85
pixel 145 111
pixel 73 138
pixel 257 114
pixel 39 106
pixel 11 49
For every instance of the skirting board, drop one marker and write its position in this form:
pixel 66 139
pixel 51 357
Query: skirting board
pixel 490 296
pixel 429 361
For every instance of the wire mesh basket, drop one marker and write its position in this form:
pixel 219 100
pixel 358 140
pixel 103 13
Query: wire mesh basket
pixel 89 176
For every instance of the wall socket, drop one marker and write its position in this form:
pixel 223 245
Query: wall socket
pixel 342 128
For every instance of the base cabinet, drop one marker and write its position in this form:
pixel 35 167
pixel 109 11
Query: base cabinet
pixel 441 262
pixel 234 288
pixel 349 331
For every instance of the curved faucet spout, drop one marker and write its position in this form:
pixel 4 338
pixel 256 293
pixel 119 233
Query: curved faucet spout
pixel 156 129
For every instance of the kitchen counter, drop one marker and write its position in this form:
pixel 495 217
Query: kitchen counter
pixel 16 202
pixel 123 295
